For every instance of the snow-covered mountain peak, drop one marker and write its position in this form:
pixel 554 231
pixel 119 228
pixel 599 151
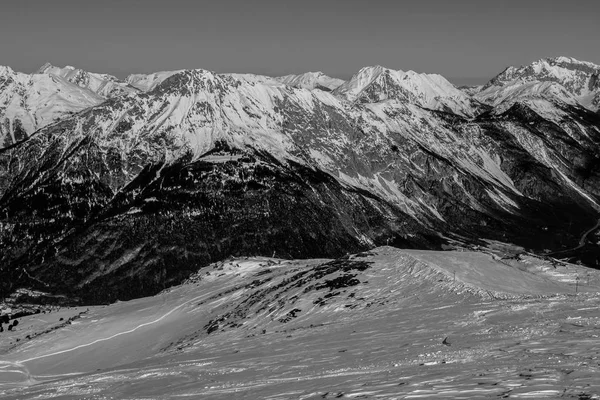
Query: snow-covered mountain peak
pixel 377 83
pixel 194 81
pixel 580 79
pixel 104 85
pixel 363 78
pixel 373 70
pixel 68 71
pixel 559 69
pixel 311 80
pixel 570 62
pixel 188 81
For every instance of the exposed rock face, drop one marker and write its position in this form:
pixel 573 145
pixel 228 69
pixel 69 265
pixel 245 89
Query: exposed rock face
pixel 131 195
pixel 594 81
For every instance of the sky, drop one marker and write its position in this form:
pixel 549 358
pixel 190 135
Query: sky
pixel 467 41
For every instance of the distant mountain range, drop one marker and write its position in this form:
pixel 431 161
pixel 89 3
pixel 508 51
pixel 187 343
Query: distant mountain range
pixel 114 189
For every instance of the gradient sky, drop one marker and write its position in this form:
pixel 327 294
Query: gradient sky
pixel 464 40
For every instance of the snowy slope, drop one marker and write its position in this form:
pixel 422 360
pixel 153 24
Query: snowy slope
pixel 504 97
pixel 385 323
pixel 374 84
pixel 311 80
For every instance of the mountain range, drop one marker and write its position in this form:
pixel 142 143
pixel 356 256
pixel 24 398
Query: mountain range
pixel 114 189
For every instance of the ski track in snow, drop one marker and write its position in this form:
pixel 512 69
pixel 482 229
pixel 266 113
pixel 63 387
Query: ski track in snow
pixel 117 334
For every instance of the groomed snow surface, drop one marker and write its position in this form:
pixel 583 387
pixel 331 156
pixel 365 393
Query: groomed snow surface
pixel 384 324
